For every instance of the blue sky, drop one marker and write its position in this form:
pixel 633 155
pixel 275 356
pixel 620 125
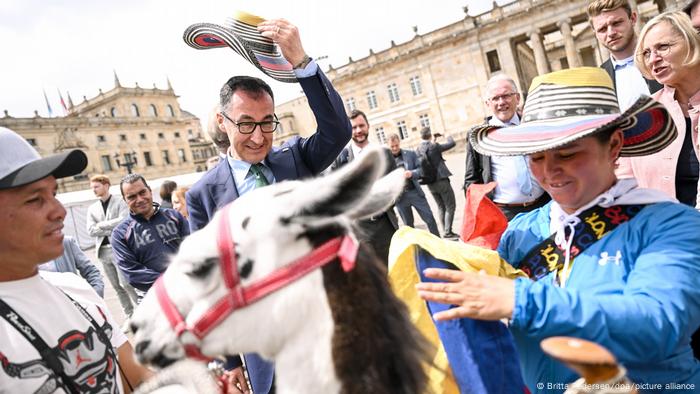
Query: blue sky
pixel 74 45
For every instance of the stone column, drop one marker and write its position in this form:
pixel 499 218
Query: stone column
pixel 540 56
pixel 569 45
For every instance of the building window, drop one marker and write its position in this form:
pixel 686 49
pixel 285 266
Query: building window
pixel 403 130
pixel 393 92
pixel 424 121
pixel 494 61
pixel 101 138
pixel 147 159
pixel 135 110
pixel 177 134
pixel 351 104
pixel 416 87
pixel 113 112
pixel 380 134
pixel 166 157
pixel 161 136
pixel 152 110
pixel 371 99
pixel 171 113
pixel 31 141
pixel 181 155
pixel 122 137
pixel 106 163
pixel 143 136
pixel 564 63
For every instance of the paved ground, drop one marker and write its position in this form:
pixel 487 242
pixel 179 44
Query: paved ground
pixel 455 162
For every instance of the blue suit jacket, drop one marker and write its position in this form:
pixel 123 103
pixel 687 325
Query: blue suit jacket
pixel 297 158
pixel 411 161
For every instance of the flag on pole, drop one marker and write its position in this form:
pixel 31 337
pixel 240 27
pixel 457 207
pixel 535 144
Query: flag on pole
pixel 48 106
pixel 63 103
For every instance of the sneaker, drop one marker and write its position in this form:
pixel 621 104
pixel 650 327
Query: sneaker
pixel 451 235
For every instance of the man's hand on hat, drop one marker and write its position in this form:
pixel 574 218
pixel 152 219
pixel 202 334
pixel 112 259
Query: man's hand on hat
pixel 286 35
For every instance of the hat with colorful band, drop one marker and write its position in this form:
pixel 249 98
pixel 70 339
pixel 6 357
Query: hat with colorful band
pixel 240 33
pixel 567 105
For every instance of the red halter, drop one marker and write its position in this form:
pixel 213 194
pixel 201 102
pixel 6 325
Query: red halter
pixel 238 296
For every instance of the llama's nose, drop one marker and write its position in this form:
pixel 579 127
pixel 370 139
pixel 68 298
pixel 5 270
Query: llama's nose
pixel 141 346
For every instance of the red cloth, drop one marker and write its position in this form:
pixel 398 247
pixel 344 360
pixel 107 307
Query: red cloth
pixel 483 222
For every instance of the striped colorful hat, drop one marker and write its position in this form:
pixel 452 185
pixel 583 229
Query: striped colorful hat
pixel 240 33
pixel 567 105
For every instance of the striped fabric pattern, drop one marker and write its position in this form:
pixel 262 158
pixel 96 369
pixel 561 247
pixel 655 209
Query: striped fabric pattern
pixel 240 34
pixel 567 105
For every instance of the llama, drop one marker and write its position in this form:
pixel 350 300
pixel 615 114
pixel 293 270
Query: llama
pixel 329 330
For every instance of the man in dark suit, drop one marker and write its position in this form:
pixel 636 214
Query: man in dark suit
pixel 613 23
pixel 377 230
pixel 412 195
pixel 247 115
pixel 440 189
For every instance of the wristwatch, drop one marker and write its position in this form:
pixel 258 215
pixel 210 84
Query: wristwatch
pixel 303 63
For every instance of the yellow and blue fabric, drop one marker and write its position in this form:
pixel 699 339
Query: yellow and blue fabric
pixel 471 356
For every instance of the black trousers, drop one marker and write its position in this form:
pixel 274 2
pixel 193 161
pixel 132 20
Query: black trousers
pixel 510 212
pixel 377 232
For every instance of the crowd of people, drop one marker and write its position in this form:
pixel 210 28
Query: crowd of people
pixel 597 174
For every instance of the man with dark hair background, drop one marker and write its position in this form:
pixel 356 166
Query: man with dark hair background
pixel 377 230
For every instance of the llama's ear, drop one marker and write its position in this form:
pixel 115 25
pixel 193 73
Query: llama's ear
pixel 381 197
pixel 343 190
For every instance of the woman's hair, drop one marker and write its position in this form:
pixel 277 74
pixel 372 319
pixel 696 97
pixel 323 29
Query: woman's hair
pixel 681 25
pixel 180 193
pixel 166 189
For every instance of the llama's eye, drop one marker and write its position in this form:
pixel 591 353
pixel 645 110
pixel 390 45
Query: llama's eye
pixel 204 268
pixel 245 269
pixel 244 223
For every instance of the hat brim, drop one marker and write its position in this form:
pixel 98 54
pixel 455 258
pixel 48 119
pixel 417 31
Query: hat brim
pixel 254 48
pixel 647 127
pixel 60 166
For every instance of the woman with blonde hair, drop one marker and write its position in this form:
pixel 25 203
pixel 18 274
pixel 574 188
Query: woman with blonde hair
pixel 668 50
pixel 179 201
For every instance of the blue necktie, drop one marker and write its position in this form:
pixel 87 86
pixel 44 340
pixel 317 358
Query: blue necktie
pixel 523 175
pixel 260 179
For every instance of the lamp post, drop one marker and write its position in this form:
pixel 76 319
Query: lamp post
pixel 129 160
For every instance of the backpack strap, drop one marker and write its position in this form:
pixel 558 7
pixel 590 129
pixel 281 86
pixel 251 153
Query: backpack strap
pixel 47 353
pixel 595 222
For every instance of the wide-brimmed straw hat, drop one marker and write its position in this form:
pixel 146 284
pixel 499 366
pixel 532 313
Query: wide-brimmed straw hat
pixel 240 33
pixel 567 105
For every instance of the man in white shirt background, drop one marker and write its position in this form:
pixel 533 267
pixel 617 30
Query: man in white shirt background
pixel 516 190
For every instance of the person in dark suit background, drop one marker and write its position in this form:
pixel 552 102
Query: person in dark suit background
pixel 440 189
pixel 413 195
pixel 613 23
pixel 247 116
pixel 377 230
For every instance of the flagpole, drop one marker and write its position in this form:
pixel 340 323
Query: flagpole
pixel 48 106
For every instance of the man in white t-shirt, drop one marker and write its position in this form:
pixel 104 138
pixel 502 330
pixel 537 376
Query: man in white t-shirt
pixel 56 334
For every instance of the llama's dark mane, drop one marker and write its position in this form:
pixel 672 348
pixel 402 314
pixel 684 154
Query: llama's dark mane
pixel 376 348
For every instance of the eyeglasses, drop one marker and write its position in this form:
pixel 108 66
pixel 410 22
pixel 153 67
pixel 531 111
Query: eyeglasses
pixel 502 97
pixel 661 50
pixel 266 126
